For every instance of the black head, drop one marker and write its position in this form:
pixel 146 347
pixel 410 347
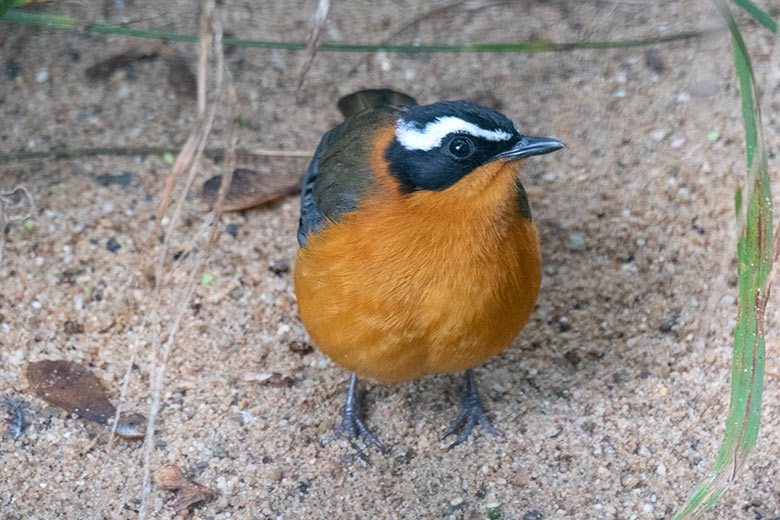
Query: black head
pixel 437 145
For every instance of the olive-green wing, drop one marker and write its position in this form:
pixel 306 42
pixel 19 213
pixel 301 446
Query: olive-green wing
pixel 339 175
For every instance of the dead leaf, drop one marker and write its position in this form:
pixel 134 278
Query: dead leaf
pixel 250 188
pixel 74 388
pixel 190 494
pixel 171 477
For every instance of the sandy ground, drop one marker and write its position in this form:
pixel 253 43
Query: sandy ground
pixel 612 400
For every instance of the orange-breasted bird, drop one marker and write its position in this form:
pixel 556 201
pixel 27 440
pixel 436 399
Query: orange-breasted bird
pixel 417 250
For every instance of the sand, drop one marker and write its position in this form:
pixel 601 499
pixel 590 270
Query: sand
pixel 613 399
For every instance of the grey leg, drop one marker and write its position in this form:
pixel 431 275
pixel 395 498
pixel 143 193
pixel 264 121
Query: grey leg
pixel 471 413
pixel 351 423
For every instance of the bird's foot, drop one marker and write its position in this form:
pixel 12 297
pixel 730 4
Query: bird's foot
pixel 351 423
pixel 471 413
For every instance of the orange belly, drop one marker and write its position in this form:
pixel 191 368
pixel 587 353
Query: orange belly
pixel 426 283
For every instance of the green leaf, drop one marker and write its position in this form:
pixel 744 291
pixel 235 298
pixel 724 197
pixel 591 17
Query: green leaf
pixel 168 158
pixel 758 14
pixel 754 220
pixel 29 224
pixel 206 279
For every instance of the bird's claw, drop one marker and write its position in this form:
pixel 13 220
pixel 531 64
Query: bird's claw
pixel 353 427
pixel 351 424
pixel 471 413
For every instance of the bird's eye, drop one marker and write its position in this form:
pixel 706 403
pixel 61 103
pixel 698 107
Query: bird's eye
pixel 461 147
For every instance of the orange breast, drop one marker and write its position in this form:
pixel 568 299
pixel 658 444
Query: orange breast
pixel 434 281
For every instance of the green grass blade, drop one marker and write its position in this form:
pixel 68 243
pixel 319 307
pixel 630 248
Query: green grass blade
pixel 758 14
pixel 754 216
pixel 71 23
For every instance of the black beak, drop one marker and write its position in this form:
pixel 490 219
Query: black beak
pixel 528 146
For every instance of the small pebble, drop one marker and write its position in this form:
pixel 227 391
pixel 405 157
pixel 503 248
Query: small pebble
pixel 668 325
pixel 658 135
pixel 219 452
pixel 112 245
pixel 383 60
pixel 232 230
pixel 629 481
pixel 279 267
pixel 41 75
pixel 577 242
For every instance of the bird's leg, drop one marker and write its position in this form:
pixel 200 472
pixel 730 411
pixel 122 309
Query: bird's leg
pixel 471 413
pixel 351 424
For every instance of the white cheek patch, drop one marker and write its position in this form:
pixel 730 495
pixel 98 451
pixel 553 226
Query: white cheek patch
pixel 430 136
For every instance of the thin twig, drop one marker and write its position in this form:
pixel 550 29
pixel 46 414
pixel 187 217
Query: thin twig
pixel 212 153
pixel 317 23
pixel 209 24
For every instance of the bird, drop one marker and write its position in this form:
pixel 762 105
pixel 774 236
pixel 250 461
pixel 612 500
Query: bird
pixel 417 251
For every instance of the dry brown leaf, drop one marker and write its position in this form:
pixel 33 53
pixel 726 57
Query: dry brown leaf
pixel 250 188
pixel 190 494
pixel 171 477
pixel 74 388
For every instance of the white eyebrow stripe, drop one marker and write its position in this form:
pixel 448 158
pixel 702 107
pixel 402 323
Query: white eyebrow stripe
pixel 430 136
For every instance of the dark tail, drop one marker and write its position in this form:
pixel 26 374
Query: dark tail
pixel 363 99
